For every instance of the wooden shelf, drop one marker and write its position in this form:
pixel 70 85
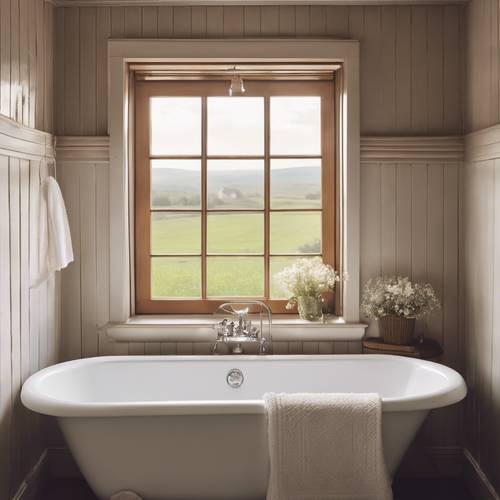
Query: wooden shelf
pixel 426 349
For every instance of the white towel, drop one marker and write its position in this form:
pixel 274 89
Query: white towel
pixel 55 250
pixel 325 447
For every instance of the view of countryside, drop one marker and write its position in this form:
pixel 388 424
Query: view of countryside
pixel 235 239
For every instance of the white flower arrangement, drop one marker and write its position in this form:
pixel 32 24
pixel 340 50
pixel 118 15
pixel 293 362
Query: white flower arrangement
pixel 306 278
pixel 398 296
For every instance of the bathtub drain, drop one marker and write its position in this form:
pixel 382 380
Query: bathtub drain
pixel 235 378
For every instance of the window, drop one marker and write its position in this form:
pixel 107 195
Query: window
pixel 230 190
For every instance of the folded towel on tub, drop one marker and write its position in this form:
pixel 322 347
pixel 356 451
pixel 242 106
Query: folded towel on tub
pixel 326 447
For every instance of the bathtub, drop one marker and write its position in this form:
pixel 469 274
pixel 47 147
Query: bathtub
pixel 171 427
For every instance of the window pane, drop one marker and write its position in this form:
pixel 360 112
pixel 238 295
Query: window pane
pixel 296 183
pixel 175 184
pixel 235 233
pixel 235 184
pixel 235 276
pixel 296 125
pixel 295 232
pixel 175 277
pixel 175 125
pixel 235 125
pixel 175 233
pixel 276 265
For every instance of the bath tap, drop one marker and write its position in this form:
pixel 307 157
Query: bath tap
pixel 243 332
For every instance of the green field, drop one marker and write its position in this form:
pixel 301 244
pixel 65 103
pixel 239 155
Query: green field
pixel 175 185
pixel 226 233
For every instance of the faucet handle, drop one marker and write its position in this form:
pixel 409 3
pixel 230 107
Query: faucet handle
pixel 221 328
pixel 220 324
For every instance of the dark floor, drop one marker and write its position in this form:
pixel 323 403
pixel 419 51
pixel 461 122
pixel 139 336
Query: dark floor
pixel 404 489
pixel 430 489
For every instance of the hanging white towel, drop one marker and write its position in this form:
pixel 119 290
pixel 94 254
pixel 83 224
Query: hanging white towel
pixel 55 250
pixel 326 447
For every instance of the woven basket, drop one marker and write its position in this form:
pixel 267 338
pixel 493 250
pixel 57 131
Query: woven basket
pixel 396 329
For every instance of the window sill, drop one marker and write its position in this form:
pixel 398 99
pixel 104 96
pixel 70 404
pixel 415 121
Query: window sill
pixel 199 328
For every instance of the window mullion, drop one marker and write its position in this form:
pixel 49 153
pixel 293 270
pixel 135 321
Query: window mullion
pixel 204 197
pixel 267 197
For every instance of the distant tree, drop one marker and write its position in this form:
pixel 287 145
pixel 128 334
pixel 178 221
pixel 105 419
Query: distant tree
pixel 161 200
pixel 313 196
pixel 313 247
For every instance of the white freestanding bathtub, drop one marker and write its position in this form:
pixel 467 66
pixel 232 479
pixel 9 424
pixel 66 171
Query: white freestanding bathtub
pixel 171 427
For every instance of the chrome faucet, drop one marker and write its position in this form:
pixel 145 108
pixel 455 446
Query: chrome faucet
pixel 243 332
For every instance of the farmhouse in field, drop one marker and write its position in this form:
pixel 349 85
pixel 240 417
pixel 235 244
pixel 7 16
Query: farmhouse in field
pixel 228 193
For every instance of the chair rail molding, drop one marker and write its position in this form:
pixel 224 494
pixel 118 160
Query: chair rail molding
pixel 379 149
pixel 24 142
pixel 427 149
pixel 483 144
pixel 82 149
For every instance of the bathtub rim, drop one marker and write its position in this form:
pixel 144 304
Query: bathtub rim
pixel 36 401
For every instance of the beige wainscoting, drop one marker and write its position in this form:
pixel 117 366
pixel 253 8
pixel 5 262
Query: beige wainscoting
pixel 481 300
pixel 29 317
pixel 409 224
pixel 29 333
pixel 480 256
pixel 412 57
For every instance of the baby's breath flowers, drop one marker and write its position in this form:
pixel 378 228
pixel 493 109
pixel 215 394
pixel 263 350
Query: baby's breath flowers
pixel 306 278
pixel 398 296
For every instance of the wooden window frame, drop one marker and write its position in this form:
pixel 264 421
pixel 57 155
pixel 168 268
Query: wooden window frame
pixel 119 276
pixel 143 91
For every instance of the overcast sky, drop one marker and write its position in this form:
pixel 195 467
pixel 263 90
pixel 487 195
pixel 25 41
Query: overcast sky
pixel 235 127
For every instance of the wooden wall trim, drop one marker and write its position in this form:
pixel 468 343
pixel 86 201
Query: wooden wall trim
pixel 33 484
pixel 24 142
pixel 483 144
pixel 412 149
pixel 124 3
pixel 89 149
pixel 477 482
pixel 95 149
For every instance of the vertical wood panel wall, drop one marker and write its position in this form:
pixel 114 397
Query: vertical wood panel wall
pixel 410 226
pixel 27 62
pixel 411 57
pixel 483 64
pixel 480 258
pixel 29 318
pixel 481 315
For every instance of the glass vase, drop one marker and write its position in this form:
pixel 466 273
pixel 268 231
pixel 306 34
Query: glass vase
pixel 310 308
